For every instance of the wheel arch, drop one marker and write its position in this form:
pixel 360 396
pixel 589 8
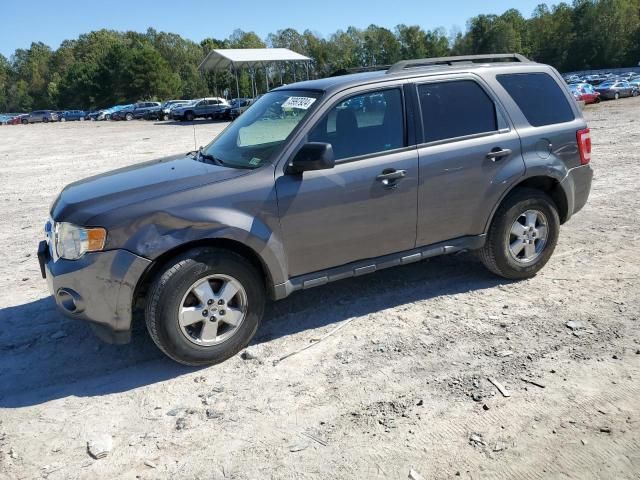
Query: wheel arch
pixel 544 183
pixel 142 287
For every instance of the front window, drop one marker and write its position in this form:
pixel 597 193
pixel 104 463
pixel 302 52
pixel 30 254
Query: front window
pixel 364 124
pixel 253 138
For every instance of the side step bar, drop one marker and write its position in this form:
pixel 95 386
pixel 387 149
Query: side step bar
pixel 364 267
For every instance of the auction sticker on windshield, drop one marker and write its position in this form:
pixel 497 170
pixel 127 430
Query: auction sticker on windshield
pixel 303 103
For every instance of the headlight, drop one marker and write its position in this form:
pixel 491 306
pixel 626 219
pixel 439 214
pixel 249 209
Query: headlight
pixel 72 242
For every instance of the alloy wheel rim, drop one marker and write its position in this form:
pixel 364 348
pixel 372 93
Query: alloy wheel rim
pixel 527 237
pixel 212 310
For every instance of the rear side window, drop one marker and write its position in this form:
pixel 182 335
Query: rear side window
pixel 539 97
pixel 455 109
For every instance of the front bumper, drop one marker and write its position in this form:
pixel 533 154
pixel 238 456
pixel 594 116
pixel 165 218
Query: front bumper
pixel 98 288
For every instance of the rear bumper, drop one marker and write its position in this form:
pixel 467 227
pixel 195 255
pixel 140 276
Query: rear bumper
pixel 97 288
pixel 577 185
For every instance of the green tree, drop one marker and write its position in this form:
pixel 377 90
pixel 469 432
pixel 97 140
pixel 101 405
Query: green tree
pixel 380 46
pixel 147 76
pixel 19 99
pixel 5 71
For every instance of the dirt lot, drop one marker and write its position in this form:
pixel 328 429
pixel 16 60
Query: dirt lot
pixel 404 385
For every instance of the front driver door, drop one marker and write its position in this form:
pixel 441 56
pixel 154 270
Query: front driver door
pixel 365 206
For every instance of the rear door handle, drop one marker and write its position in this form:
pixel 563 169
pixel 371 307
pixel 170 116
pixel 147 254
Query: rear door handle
pixel 498 153
pixel 389 176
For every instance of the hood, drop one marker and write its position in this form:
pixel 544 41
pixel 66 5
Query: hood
pixel 79 202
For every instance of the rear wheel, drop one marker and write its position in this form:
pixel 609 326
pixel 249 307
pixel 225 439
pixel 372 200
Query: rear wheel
pixel 128 117
pixel 189 116
pixel 25 121
pixel 45 120
pixel 522 236
pixel 205 306
pixel 616 96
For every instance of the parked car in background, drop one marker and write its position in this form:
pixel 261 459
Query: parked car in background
pixel 16 119
pixel 454 157
pixel 572 78
pixel 38 116
pixel 238 106
pixel 585 92
pixel 135 111
pixel 72 115
pixel 212 108
pixel 613 90
pixel 162 112
pixel 5 118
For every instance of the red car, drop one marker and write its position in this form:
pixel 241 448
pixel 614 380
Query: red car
pixel 16 120
pixel 585 92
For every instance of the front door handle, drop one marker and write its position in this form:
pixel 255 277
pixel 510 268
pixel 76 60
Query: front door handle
pixel 389 176
pixel 498 153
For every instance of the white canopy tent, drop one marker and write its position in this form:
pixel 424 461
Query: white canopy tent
pixel 251 58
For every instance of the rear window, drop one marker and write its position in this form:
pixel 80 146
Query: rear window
pixel 455 109
pixel 539 97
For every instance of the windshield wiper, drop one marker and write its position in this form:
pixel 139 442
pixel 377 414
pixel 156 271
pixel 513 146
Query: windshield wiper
pixel 210 158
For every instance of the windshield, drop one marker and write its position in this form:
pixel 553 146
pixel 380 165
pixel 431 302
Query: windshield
pixel 252 139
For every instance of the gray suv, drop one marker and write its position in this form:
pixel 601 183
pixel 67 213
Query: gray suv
pixel 320 181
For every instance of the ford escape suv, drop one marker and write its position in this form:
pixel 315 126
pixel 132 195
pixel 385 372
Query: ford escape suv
pixel 319 181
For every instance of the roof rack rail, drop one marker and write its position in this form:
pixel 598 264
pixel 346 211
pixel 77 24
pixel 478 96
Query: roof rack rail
pixel 348 71
pixel 428 62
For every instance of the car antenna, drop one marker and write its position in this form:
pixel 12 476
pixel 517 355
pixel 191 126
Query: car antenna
pixel 195 143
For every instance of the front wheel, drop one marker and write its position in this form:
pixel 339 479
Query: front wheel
pixel 128 117
pixel 522 236
pixel 616 96
pixel 205 306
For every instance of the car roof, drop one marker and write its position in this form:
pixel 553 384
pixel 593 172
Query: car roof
pixel 341 82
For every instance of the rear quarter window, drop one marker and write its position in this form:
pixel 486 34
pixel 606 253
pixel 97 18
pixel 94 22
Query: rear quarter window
pixel 539 96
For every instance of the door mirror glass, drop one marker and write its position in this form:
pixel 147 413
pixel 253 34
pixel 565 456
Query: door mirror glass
pixel 312 156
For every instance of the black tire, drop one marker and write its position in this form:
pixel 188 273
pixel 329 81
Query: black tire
pixel 128 117
pixel 45 120
pixel 165 117
pixel 25 121
pixel 495 254
pixel 172 284
pixel 616 96
pixel 189 116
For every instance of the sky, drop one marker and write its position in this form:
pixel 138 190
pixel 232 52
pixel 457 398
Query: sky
pixel 54 21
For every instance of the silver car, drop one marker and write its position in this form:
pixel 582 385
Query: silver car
pixel 38 116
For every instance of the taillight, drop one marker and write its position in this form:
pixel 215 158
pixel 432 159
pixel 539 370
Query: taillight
pixel 584 145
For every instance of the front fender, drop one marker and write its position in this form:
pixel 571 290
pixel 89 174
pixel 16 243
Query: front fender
pixel 163 232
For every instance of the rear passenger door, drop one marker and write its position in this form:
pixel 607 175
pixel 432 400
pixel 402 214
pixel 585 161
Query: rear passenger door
pixel 469 155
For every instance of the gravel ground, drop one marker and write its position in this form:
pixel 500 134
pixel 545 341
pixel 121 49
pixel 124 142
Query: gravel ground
pixel 403 385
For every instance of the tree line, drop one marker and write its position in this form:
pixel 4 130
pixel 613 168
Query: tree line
pixel 107 67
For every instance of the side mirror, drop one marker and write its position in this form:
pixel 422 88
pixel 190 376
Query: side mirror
pixel 312 156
